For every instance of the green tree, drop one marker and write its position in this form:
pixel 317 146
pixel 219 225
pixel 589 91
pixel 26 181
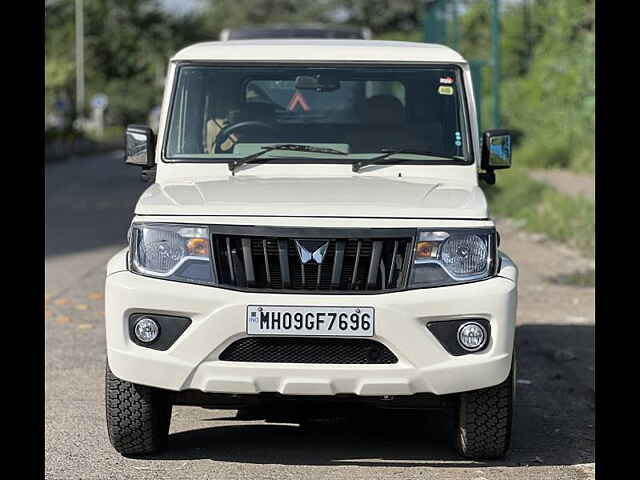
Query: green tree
pixel 127 46
pixel 399 18
pixel 221 14
pixel 548 76
pixel 554 102
pixel 59 62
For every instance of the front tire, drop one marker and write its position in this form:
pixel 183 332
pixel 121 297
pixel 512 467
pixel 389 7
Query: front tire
pixel 485 416
pixel 138 416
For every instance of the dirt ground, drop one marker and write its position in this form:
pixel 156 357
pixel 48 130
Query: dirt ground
pixel 567 182
pixel 555 341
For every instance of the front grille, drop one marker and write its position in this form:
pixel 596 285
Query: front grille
pixel 356 260
pixel 308 350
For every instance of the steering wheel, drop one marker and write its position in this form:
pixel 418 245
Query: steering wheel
pixel 223 135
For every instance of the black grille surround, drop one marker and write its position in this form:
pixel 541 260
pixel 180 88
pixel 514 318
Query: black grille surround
pixel 356 260
pixel 353 351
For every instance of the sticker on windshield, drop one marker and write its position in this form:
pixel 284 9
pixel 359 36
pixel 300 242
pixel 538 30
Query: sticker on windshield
pixel 298 99
pixel 447 80
pixel 445 90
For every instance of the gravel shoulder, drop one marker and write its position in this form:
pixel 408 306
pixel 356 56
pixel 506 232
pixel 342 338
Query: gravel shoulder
pixel 571 183
pixel 553 434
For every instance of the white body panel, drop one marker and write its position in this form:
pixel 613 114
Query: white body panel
pixel 318 50
pixel 340 196
pixel 219 318
pixel 294 221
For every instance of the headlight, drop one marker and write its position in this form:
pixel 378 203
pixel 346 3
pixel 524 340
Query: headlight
pixel 174 252
pixel 453 256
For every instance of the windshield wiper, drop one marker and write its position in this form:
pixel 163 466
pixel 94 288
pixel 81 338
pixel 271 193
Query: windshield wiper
pixel 235 163
pixel 387 152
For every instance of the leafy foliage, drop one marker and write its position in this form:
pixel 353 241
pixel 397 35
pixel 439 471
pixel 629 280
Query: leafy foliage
pixel 554 102
pixel 543 209
pixel 548 57
pixel 548 72
pixel 127 46
pixel 383 16
pixel 221 14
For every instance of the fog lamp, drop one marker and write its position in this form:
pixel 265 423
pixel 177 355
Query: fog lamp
pixel 146 330
pixel 472 336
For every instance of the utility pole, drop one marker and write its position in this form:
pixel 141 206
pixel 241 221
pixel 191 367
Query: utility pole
pixel 455 26
pixel 527 32
pixel 79 59
pixel 435 28
pixel 495 60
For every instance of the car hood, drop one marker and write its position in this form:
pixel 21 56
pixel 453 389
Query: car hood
pixel 357 196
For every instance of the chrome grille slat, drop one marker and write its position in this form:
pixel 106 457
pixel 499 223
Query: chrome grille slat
pixel 356 264
pixel 356 260
pixel 393 260
pixel 337 264
pixel 247 258
pixel 283 254
pixel 374 264
pixel 266 261
pixel 408 255
pixel 230 260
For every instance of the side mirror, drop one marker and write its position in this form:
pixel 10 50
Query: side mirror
pixel 496 153
pixel 140 146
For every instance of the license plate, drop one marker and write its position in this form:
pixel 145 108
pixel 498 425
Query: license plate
pixel 310 321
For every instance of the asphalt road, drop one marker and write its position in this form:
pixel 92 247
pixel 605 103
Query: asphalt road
pixel 89 204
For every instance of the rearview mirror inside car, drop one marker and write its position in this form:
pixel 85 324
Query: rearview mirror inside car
pixel 319 83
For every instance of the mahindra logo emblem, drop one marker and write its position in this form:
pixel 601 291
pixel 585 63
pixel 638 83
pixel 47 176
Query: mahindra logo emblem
pixel 312 250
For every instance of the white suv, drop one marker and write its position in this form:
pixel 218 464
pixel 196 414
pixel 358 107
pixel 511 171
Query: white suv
pixel 314 239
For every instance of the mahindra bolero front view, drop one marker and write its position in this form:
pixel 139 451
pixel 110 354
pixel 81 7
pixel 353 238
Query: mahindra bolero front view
pixel 314 238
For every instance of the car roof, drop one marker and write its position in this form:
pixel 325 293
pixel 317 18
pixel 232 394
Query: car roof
pixel 286 28
pixel 269 26
pixel 319 50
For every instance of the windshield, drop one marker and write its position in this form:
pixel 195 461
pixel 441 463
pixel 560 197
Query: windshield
pixel 222 113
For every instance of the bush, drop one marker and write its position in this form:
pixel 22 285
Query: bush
pixel 543 209
pixel 68 134
pixel 554 103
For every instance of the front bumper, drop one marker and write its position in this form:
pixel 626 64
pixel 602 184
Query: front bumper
pixel 219 318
